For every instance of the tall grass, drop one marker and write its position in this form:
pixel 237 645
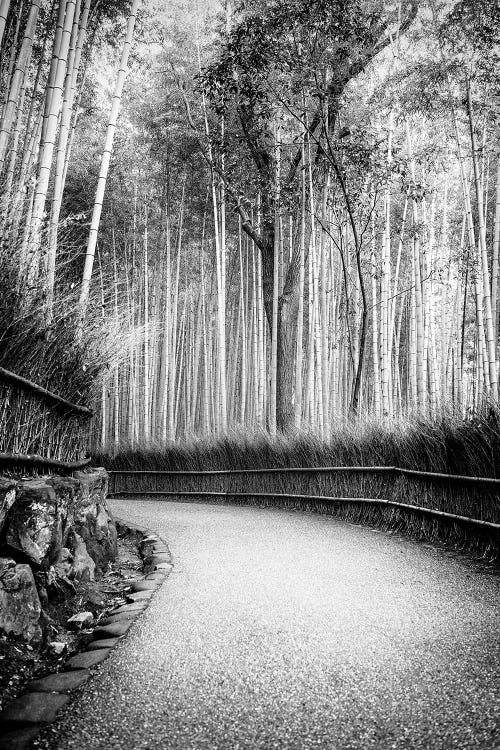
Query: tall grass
pixel 47 350
pixel 466 447
pixel 448 445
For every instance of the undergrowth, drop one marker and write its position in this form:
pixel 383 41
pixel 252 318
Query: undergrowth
pixel 44 347
pixel 50 348
pixel 466 447
pixel 448 445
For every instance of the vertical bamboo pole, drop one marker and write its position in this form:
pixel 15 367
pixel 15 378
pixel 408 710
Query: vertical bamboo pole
pixel 495 254
pixel 243 307
pixel 206 369
pixel 67 108
pixel 274 327
pixel 165 352
pixel 4 10
pixel 105 161
pixel 54 99
pixel 488 319
pixel 300 315
pixel 172 378
pixel 421 395
pixel 385 283
pixel 261 341
pixel 16 83
pixel 375 328
pixel 323 266
pixel 147 371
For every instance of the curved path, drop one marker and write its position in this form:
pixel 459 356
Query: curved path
pixel 291 630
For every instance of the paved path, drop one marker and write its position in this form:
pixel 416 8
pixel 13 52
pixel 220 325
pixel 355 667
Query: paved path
pixel 287 630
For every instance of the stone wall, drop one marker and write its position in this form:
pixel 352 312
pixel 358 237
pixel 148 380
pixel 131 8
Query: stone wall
pixel 54 531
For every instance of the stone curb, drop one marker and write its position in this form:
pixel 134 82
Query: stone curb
pixel 24 718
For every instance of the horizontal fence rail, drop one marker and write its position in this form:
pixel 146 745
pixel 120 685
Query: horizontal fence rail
pixel 331 501
pixel 395 470
pixel 39 428
pixel 28 385
pixel 14 459
pixel 458 499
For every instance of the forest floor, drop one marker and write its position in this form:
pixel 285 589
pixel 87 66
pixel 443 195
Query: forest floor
pixel 290 630
pixel 20 663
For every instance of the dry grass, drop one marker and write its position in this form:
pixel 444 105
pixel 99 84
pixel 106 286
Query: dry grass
pixel 449 445
pixel 51 355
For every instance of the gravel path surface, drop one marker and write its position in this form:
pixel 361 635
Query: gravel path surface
pixel 288 630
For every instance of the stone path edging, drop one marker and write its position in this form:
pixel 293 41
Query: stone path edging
pixel 25 716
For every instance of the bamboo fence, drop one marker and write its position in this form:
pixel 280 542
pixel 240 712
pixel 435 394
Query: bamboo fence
pixel 357 492
pixel 40 428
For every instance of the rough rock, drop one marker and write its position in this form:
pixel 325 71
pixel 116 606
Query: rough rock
pixel 80 620
pixel 165 567
pixel 60 524
pixel 150 539
pixel 146 546
pixel 19 601
pixel 113 630
pixel 57 647
pixel 60 682
pixel 83 565
pixel 161 549
pixel 144 585
pixel 92 520
pixel 158 559
pixel 20 738
pixel 88 659
pixel 63 566
pixel 93 596
pixel 34 523
pixel 137 607
pixel 33 708
pixel 140 596
pixel 67 490
pixel 102 643
pixel 119 617
pixel 7 497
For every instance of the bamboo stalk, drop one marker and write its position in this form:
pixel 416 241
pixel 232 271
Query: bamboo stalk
pixel 105 162
pixel 4 11
pixel 11 377
pixel 16 82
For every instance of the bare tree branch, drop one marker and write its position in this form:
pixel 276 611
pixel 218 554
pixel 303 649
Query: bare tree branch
pixel 246 223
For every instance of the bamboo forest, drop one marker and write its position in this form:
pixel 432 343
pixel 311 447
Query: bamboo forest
pixel 254 216
pixel 249 374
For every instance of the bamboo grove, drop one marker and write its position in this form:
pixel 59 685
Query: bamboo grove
pixel 47 51
pixel 294 220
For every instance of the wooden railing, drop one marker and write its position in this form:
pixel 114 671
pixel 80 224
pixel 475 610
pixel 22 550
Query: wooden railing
pixel 390 470
pixel 39 428
pixel 446 496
